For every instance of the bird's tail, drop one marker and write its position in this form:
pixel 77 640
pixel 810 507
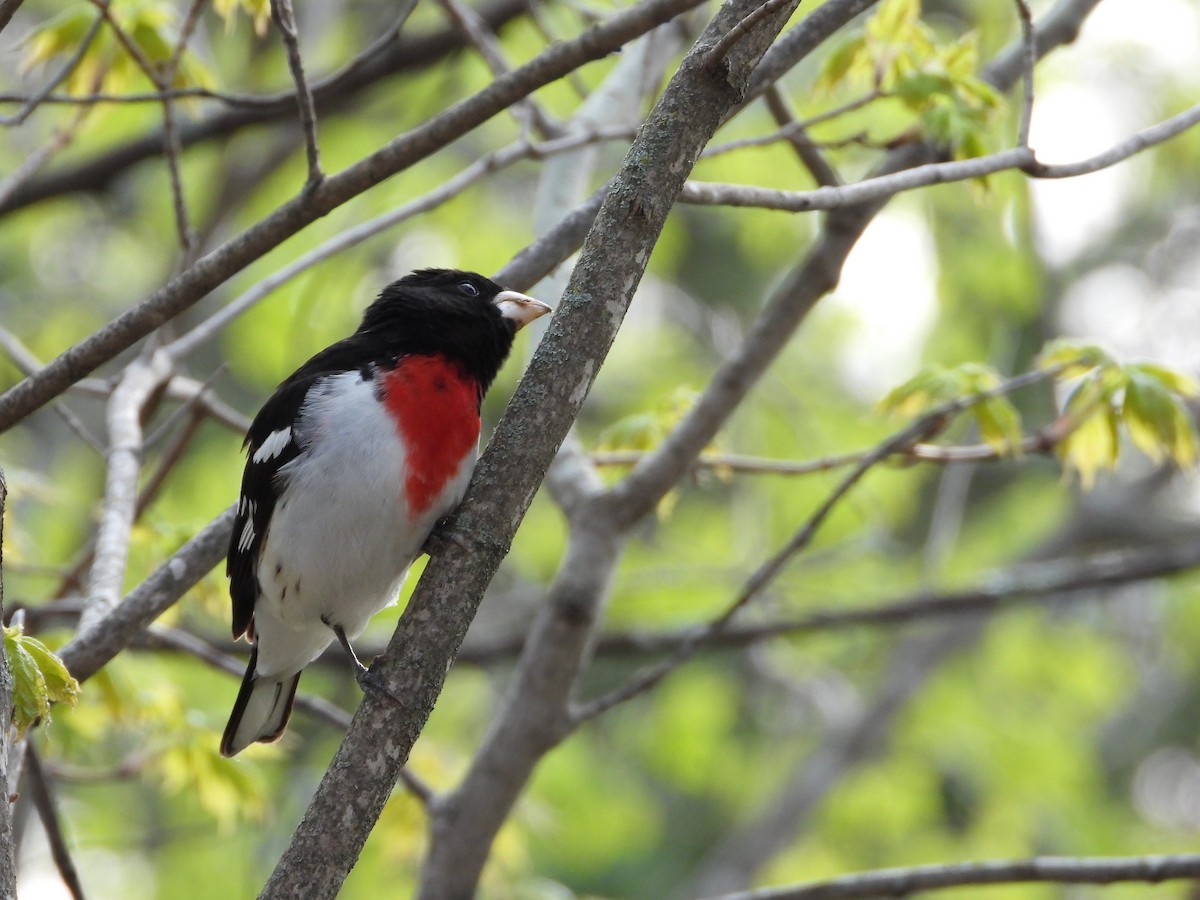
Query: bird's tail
pixel 261 711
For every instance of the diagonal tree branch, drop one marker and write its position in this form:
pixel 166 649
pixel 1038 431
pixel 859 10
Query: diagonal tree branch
pixel 535 713
pixel 189 286
pixel 387 56
pixel 1047 869
pixel 365 768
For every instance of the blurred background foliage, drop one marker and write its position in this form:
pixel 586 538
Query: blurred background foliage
pixel 1066 728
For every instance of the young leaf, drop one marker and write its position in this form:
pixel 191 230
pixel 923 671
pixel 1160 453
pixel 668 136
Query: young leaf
pixel 39 679
pixel 929 387
pixel 999 424
pixel 1092 446
pixel 1078 358
pixel 1158 423
pixel 840 63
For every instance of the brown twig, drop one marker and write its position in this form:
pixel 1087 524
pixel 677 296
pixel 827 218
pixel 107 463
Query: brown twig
pixel 926 426
pixel 43 800
pixel 37 98
pixel 1047 870
pixel 721 49
pixel 1029 61
pixel 285 20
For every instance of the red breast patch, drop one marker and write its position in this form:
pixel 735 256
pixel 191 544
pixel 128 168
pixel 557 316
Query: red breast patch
pixel 435 405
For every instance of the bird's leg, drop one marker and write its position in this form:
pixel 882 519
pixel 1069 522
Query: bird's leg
pixel 367 680
pixel 440 537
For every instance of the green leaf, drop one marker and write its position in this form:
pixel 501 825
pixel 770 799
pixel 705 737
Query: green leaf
pixel 999 424
pixel 258 10
pixel 848 56
pixel 1079 358
pixel 1094 442
pixel 646 430
pixel 961 58
pixel 930 387
pixel 1175 382
pixel 39 679
pixel 1158 423
pixel 1092 446
pixel 226 791
pixel 894 16
pixel 915 88
pixel 59 34
pixel 937 384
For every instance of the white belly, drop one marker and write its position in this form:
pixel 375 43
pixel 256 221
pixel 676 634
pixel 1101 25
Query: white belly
pixel 340 540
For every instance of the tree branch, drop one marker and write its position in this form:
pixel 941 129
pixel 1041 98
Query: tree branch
pixel 8 842
pixel 141 380
pixel 89 650
pixel 1053 870
pixel 189 286
pixel 285 21
pixel 39 788
pixel 385 57
pixel 614 256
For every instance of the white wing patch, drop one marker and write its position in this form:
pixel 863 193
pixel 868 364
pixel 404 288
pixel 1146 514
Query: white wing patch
pixel 247 536
pixel 274 445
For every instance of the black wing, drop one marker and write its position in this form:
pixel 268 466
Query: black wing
pixel 271 443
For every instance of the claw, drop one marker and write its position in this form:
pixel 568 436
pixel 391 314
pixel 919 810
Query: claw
pixel 367 680
pixel 439 539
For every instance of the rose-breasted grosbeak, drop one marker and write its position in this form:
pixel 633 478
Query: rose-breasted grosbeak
pixel 352 462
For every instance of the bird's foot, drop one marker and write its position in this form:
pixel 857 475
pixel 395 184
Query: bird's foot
pixel 371 682
pixel 367 680
pixel 441 538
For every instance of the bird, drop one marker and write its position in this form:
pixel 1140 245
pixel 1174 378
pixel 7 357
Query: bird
pixel 351 465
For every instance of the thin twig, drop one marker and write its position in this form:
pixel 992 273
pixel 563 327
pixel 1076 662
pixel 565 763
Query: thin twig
pixel 161 637
pixel 1063 580
pixel 43 800
pixel 807 152
pixel 1042 441
pixel 246 101
pixel 35 161
pixel 447 190
pixel 924 427
pixel 1046 869
pixel 475 31
pixel 172 145
pixel 796 128
pixel 38 97
pixel 129 45
pixel 867 190
pixel 285 21
pixel 190 408
pixel 188 287
pixel 24 360
pixel 172 152
pixel 1029 61
pixel 1144 139
pixel 722 47
pixel 190 20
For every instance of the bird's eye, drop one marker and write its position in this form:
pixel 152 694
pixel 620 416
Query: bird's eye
pixel 469 289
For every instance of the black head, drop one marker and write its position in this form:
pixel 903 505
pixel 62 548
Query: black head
pixel 461 315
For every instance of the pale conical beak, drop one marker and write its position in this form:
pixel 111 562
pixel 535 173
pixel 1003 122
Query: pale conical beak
pixel 519 308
